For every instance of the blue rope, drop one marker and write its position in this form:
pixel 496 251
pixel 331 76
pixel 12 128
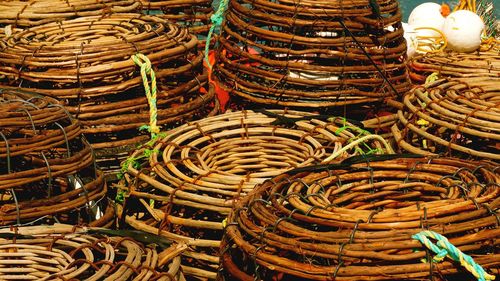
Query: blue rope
pixel 444 248
pixel 217 18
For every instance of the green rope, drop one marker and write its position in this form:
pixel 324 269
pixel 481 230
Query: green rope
pixel 432 78
pixel 443 248
pixel 146 69
pixel 361 134
pixel 217 18
pixel 356 142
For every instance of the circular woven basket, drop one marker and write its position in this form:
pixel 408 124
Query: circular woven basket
pixel 451 117
pixel 184 185
pixel 355 221
pixel 459 65
pixel 47 170
pixel 28 13
pixel 65 252
pixel 86 64
pixel 194 14
pixel 299 55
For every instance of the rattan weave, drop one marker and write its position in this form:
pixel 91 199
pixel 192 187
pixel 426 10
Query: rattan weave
pixel 452 117
pixel 297 54
pixel 458 65
pixel 354 221
pixel 29 13
pixel 194 14
pixel 86 64
pixel 47 169
pixel 65 252
pixel 185 184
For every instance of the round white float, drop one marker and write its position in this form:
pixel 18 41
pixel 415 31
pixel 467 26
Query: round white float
pixel 427 15
pixel 463 31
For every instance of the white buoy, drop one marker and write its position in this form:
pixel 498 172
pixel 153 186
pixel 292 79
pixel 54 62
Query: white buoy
pixel 411 40
pixel 463 31
pixel 427 15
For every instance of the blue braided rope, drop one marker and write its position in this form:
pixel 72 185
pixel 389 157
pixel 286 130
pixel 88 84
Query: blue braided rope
pixel 444 248
pixel 217 18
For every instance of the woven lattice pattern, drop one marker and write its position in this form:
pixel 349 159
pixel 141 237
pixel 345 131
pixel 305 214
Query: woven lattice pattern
pixel 28 13
pixel 458 65
pixel 71 253
pixel 451 117
pixel 47 170
pixel 184 185
pixel 86 63
pixel 298 54
pixel 194 14
pixel 354 221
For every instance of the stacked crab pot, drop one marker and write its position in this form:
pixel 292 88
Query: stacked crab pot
pixel 47 170
pixel 18 14
pixel 86 64
pixel 454 117
pixel 359 220
pixel 481 64
pixel 194 14
pixel 312 54
pixel 65 252
pixel 185 184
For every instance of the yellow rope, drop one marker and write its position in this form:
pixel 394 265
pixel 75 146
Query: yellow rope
pixel 489 43
pixel 433 77
pixel 469 5
pixel 431 44
pixel 146 69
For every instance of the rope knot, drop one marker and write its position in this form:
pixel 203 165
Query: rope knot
pixel 146 69
pixel 143 62
pixel 441 254
pixel 217 19
pixel 443 248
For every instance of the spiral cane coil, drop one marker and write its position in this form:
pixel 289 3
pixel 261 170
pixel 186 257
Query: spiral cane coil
pixel 87 64
pixel 184 185
pixel 47 168
pixel 312 54
pixel 451 117
pixel 64 252
pixel 355 221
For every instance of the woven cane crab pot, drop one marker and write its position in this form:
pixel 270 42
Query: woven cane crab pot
pixel 194 14
pixel 184 185
pixel 47 169
pixel 87 64
pixel 451 117
pixel 15 15
pixel 28 13
pixel 358 220
pixel 65 252
pixel 312 54
pixel 456 65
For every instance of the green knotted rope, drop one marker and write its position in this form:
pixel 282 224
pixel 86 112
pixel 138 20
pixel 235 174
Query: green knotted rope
pixel 217 18
pixel 146 69
pixel 361 139
pixel 443 248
